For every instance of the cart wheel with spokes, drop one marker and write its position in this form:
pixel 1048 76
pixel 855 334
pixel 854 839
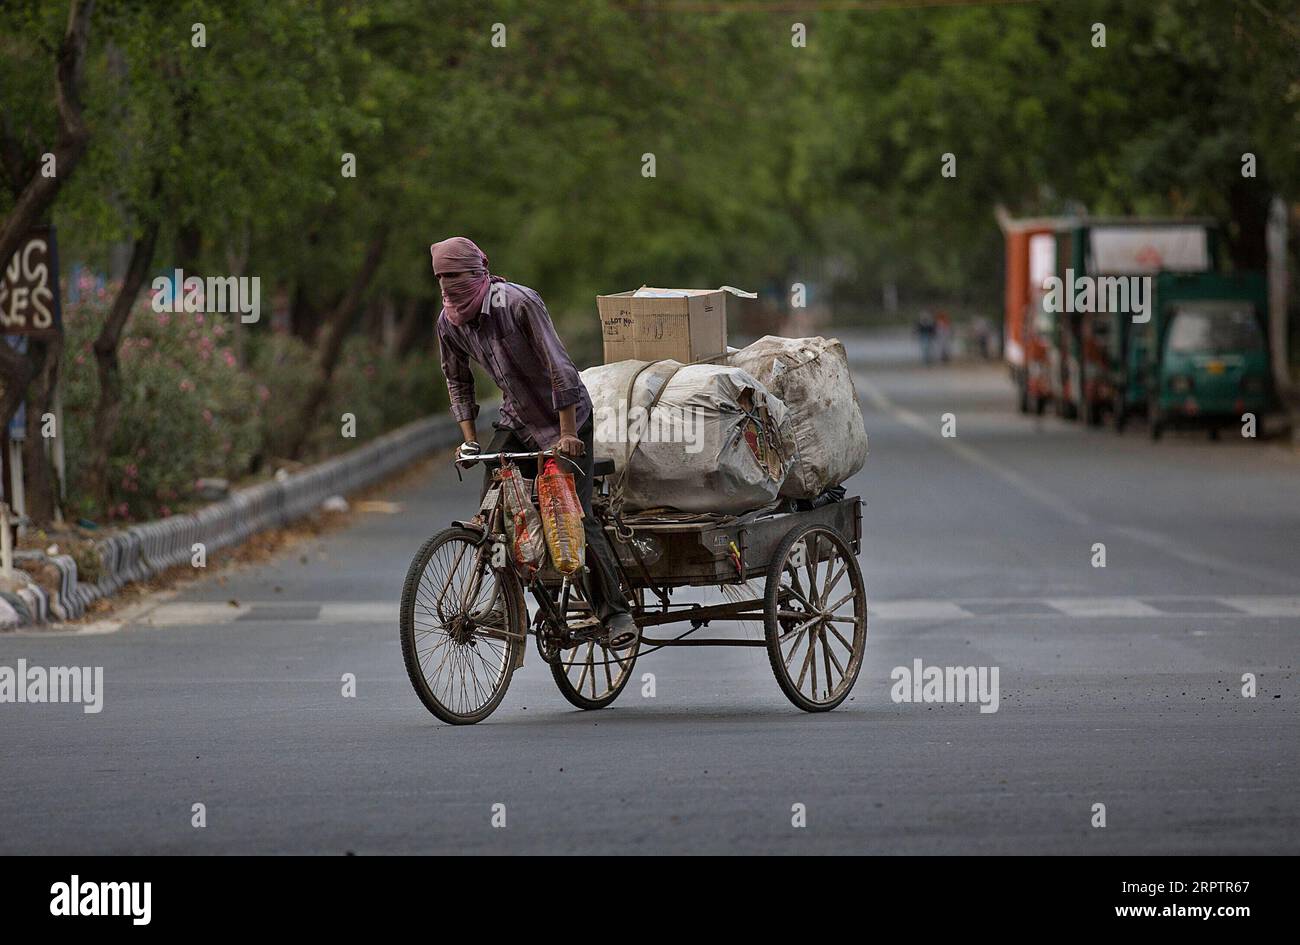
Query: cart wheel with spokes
pixel 462 626
pixel 591 675
pixel 815 617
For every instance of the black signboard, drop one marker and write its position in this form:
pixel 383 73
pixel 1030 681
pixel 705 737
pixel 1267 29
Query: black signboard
pixel 29 287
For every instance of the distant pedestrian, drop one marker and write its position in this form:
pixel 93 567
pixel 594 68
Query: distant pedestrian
pixel 925 335
pixel 943 335
pixel 982 333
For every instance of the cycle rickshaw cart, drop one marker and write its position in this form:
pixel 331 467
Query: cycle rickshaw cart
pixel 465 626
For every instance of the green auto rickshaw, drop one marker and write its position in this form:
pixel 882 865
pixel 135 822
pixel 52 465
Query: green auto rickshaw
pixel 1207 360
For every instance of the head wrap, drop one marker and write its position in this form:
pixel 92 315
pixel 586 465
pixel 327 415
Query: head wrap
pixel 462 295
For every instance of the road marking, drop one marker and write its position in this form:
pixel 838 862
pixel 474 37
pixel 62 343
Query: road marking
pixel 189 613
pixel 973 456
pixel 197 613
pixel 1212 562
pixel 1266 606
pixel 1055 503
pixel 1104 607
pixel 360 612
pixel 915 610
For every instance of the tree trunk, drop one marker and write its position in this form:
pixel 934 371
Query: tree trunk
pixel 237 263
pixel 41 488
pixel 303 318
pixel 1248 204
pixel 39 192
pixel 413 317
pixel 189 248
pixel 334 330
pixel 16 372
pixel 108 410
pixel 36 196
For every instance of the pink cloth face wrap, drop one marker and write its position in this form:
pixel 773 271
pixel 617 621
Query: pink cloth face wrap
pixel 462 295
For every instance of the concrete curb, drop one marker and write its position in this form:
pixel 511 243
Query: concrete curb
pixel 150 548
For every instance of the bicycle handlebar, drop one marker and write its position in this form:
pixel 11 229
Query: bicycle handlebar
pixel 468 461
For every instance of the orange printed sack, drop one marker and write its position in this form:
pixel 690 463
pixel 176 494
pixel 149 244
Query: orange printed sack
pixel 561 518
pixel 525 524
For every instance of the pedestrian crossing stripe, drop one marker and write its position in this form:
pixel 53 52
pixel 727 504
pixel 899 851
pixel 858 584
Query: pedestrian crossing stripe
pixel 196 613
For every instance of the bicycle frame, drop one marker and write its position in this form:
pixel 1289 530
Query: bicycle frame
pixel 550 615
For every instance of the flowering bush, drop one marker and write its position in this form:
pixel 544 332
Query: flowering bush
pixel 189 409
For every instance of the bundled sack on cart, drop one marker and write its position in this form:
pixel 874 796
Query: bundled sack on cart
pixel 695 437
pixel 811 377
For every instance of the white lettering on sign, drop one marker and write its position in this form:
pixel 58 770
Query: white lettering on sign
pixel 26 291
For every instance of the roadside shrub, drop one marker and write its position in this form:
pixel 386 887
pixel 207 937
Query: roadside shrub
pixel 189 409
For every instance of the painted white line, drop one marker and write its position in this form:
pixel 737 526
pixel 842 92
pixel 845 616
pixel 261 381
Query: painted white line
pixel 973 456
pixel 1104 607
pixel 184 614
pixel 915 610
pixel 1265 606
pixel 360 612
pixel 1058 505
pixel 386 611
pixel 1212 562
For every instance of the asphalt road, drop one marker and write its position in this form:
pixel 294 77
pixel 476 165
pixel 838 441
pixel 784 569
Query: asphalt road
pixel 1118 686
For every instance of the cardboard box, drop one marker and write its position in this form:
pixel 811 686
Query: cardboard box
pixel 653 324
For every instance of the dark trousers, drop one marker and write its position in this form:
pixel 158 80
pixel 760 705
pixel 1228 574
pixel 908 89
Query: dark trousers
pixel 601 580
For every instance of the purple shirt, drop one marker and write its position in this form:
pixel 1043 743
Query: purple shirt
pixel 514 339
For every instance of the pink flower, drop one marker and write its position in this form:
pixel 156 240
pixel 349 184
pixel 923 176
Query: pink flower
pixel 229 357
pixel 207 416
pixel 166 512
pixel 263 392
pixel 186 385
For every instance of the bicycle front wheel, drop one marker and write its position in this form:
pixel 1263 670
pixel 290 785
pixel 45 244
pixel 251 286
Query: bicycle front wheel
pixel 462 626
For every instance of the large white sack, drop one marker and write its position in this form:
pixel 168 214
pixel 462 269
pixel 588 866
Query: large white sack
pixel 693 450
pixel 812 378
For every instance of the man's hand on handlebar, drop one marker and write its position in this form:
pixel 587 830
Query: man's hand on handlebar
pixel 570 446
pixel 468 450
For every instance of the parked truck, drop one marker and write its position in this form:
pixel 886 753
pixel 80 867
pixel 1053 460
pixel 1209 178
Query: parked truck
pixel 1030 257
pixel 1116 317
pixel 1102 348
